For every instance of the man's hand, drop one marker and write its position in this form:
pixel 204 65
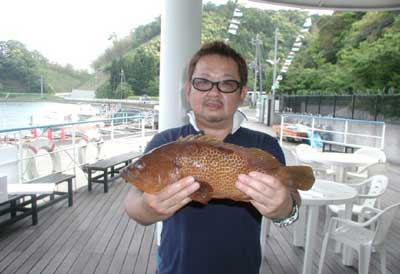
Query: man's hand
pixel 149 208
pixel 271 198
pixel 172 197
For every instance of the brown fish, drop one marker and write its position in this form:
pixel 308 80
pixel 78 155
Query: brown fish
pixel 214 164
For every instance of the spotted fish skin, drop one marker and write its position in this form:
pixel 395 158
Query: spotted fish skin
pixel 214 164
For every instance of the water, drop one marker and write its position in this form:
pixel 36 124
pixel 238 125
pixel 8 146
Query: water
pixel 24 114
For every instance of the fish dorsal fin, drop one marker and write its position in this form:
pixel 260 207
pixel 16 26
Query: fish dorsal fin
pixel 205 139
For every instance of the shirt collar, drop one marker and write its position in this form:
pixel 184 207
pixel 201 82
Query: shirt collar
pixel 238 118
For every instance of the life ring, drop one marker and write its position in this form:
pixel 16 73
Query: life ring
pixel 31 150
pixel 84 141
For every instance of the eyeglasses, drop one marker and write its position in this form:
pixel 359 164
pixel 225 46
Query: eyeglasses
pixel 224 86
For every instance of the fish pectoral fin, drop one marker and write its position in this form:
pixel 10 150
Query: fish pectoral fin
pixel 203 194
pixel 299 177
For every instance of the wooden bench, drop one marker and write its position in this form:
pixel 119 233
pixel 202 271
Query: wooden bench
pixel 19 207
pixel 108 168
pixel 22 200
pixel 56 178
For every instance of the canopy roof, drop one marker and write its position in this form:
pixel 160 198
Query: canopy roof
pixel 355 5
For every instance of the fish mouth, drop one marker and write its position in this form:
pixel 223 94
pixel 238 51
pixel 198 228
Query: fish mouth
pixel 128 176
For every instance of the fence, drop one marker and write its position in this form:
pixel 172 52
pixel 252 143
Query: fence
pixel 64 146
pixel 361 107
pixel 333 131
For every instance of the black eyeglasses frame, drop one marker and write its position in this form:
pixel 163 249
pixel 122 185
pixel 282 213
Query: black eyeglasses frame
pixel 216 84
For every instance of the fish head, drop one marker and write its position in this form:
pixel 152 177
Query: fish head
pixel 152 171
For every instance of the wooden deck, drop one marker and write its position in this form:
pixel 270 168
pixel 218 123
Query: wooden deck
pixel 95 236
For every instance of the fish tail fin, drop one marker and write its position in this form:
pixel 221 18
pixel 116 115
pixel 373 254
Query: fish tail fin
pixel 299 177
pixel 203 194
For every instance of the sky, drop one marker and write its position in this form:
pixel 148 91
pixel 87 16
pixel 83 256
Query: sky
pixel 76 32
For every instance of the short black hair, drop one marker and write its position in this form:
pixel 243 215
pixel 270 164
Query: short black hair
pixel 222 49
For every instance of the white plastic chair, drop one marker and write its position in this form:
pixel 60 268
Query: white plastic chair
pixel 370 190
pixel 360 237
pixel 362 172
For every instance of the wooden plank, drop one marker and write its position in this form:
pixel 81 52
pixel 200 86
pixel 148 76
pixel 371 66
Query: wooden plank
pixel 112 229
pixel 86 247
pixel 64 238
pixel 122 249
pixel 145 250
pixel 133 250
pixel 152 265
pixel 52 240
pixel 105 163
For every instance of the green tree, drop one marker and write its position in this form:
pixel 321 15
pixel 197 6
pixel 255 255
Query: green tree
pixel 123 91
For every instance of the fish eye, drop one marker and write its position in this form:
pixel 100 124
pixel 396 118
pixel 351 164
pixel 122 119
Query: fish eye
pixel 139 165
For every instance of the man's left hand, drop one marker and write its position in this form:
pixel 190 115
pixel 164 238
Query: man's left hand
pixel 271 198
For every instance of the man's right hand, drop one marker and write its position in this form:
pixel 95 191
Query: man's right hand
pixel 149 208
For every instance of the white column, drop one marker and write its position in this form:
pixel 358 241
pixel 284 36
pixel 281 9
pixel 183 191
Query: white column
pixel 180 38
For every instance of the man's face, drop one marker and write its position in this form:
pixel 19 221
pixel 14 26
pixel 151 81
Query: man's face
pixel 214 106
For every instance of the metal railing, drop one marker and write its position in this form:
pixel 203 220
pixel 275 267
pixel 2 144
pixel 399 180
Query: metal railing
pixel 73 138
pixel 335 131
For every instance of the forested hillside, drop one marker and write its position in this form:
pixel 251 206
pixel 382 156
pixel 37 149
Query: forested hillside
pixel 347 53
pixel 133 61
pixel 21 70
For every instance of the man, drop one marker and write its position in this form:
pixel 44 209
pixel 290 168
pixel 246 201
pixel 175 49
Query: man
pixel 223 236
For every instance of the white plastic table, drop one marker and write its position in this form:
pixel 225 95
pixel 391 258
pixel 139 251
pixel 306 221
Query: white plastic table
pixel 339 161
pixel 322 193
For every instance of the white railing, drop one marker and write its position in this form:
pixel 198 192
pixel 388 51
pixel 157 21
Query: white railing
pixel 334 131
pixel 65 143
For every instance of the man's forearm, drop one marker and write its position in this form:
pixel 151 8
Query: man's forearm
pixel 138 210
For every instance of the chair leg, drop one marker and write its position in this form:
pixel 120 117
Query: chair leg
pixel 338 246
pixel 267 227
pixel 364 256
pixel 323 253
pixel 382 255
pixel 328 216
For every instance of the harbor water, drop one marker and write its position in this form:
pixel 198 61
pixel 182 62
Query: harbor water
pixel 25 114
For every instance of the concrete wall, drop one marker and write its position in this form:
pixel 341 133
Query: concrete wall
pixel 392 143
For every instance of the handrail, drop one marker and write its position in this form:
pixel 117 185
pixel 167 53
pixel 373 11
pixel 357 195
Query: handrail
pixel 345 133
pixel 71 149
pixel 73 123
pixel 333 118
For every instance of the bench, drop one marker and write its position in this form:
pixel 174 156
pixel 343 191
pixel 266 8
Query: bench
pixel 22 199
pixel 108 169
pixel 329 147
pixel 19 207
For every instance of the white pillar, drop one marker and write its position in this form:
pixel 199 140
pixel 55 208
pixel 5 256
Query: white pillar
pixel 180 38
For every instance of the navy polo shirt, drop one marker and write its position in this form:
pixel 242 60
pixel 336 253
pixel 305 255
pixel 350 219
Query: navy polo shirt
pixel 222 237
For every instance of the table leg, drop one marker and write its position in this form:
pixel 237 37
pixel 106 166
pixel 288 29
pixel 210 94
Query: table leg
pixel 339 170
pixel 347 258
pixel 299 227
pixel 70 193
pixel 106 181
pixel 34 209
pixel 89 179
pixel 312 222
